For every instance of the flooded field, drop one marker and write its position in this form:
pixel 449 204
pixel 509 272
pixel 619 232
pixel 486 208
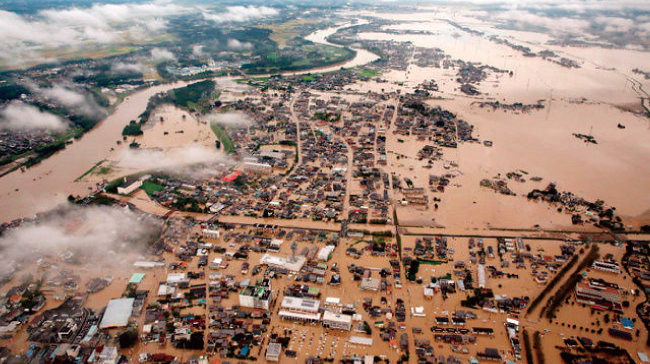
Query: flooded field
pixel 539 142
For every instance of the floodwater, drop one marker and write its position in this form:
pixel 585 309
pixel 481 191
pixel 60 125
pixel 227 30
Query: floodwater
pixel 53 180
pixel 363 56
pixel 49 183
pixel 587 100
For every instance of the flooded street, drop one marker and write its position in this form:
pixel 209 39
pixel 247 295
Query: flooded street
pixel 50 183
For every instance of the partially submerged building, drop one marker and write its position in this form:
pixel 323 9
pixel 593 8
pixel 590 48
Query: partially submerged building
pixel 257 296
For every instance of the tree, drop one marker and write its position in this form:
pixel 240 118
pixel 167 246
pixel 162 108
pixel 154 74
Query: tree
pixel 414 267
pixel 128 338
pixel 367 328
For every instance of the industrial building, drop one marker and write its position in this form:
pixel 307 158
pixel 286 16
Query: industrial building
pixel 599 294
pixel 117 313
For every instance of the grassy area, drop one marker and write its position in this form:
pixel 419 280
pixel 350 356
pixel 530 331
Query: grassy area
pixel 431 262
pixel 151 187
pixel 104 171
pixel 282 33
pixel 311 56
pixel 226 143
pixel 89 170
pixel 368 73
pixel 307 78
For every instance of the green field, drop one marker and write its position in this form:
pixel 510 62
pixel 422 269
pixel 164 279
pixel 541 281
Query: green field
pixel 368 73
pixel 151 187
pixel 226 143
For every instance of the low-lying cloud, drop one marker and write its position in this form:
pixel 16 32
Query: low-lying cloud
pixel 24 37
pixel 127 69
pixel 78 102
pixel 18 116
pixel 233 118
pixel 159 55
pixel 102 235
pixel 241 14
pixel 169 160
pixel 235 45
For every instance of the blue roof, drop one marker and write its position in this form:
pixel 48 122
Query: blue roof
pixel 245 350
pixel 627 323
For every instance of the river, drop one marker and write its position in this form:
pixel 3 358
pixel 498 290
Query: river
pixel 49 183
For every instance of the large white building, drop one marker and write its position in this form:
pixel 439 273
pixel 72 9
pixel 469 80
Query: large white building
pixel 301 305
pixel 212 234
pixel 300 309
pixel 325 253
pixel 128 187
pixel 481 276
pixel 273 352
pixel 176 279
pixel 258 296
pixel 293 264
pixel 337 321
pixel 117 313
pixel 259 168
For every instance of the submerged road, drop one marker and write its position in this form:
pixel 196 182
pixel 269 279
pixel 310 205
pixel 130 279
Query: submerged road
pixel 48 184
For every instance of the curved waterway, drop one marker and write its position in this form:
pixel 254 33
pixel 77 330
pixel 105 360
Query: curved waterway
pixel 43 186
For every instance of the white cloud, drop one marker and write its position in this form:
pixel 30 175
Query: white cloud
pixel 23 37
pixel 235 118
pixel 122 68
pixel 235 45
pixel 66 96
pixel 241 14
pixel 197 50
pixel 18 116
pixel 172 159
pixel 162 55
pixel 99 234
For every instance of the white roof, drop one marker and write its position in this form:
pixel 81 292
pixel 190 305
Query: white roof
pixel 512 321
pixel 274 349
pixel 270 154
pixel 145 264
pixel 337 317
pixel 360 340
pixel 176 277
pixel 333 300
pixel 370 284
pixel 117 313
pixel 165 290
pixel 305 304
pixel 324 252
pixel 302 316
pixel 287 263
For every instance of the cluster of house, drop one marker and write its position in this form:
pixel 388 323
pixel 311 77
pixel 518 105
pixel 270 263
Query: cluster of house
pixel 18 142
